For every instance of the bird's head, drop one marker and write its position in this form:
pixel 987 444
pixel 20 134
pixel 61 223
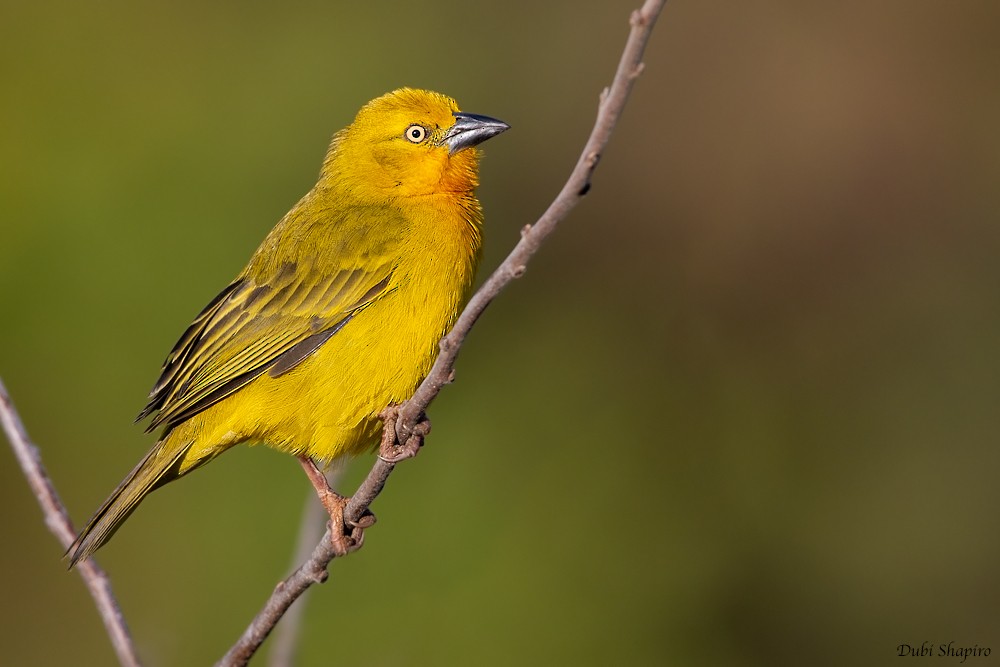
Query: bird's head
pixel 408 143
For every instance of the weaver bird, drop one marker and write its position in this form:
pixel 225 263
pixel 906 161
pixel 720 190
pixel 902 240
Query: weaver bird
pixel 336 316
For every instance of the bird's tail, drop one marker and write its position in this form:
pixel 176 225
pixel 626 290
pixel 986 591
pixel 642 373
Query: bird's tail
pixel 161 465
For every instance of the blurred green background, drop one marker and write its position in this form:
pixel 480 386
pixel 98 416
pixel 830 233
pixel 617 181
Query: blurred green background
pixel 740 411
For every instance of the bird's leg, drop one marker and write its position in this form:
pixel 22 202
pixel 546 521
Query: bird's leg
pixel 343 543
pixel 393 451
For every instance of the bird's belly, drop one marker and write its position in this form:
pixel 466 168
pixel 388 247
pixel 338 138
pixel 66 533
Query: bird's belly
pixel 329 404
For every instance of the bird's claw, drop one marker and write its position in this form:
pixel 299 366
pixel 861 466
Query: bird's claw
pixel 390 449
pixel 345 536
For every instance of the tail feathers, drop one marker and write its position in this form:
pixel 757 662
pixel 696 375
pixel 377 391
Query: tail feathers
pixel 159 466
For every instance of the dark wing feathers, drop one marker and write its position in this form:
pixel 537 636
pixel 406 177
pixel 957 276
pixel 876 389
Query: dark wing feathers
pixel 252 327
pixel 182 349
pixel 296 353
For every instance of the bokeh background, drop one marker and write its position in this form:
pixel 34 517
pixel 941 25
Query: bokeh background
pixel 742 410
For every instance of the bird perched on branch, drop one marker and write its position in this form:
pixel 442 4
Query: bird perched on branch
pixel 337 315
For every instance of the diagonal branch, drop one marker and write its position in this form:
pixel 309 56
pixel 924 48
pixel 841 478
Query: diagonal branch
pixel 286 640
pixel 58 521
pixel 612 102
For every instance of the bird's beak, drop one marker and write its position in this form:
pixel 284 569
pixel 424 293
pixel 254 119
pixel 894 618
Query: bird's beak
pixel 471 129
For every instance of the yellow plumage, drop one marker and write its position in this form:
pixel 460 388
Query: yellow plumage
pixel 339 311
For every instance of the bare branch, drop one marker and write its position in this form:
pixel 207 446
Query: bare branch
pixel 58 521
pixel 313 571
pixel 612 101
pixel 286 639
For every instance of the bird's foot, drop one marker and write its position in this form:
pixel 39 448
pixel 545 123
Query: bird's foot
pixel 345 536
pixel 391 450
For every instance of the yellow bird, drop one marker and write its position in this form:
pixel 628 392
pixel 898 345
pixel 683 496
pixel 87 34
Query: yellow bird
pixel 338 313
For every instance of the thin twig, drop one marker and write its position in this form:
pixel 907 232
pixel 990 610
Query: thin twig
pixel 612 101
pixel 313 571
pixel 286 639
pixel 58 521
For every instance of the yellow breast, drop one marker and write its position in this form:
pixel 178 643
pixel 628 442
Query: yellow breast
pixel 329 404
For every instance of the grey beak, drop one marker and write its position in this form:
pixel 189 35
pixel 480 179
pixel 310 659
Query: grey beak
pixel 471 129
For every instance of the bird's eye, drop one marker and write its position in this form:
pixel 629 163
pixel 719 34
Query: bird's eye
pixel 416 133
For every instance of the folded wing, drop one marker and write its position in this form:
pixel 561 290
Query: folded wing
pixel 258 325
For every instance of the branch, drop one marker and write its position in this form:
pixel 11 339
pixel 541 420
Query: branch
pixel 313 571
pixel 612 102
pixel 58 521
pixel 285 642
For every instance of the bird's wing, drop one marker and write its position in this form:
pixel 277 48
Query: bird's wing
pixel 258 325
